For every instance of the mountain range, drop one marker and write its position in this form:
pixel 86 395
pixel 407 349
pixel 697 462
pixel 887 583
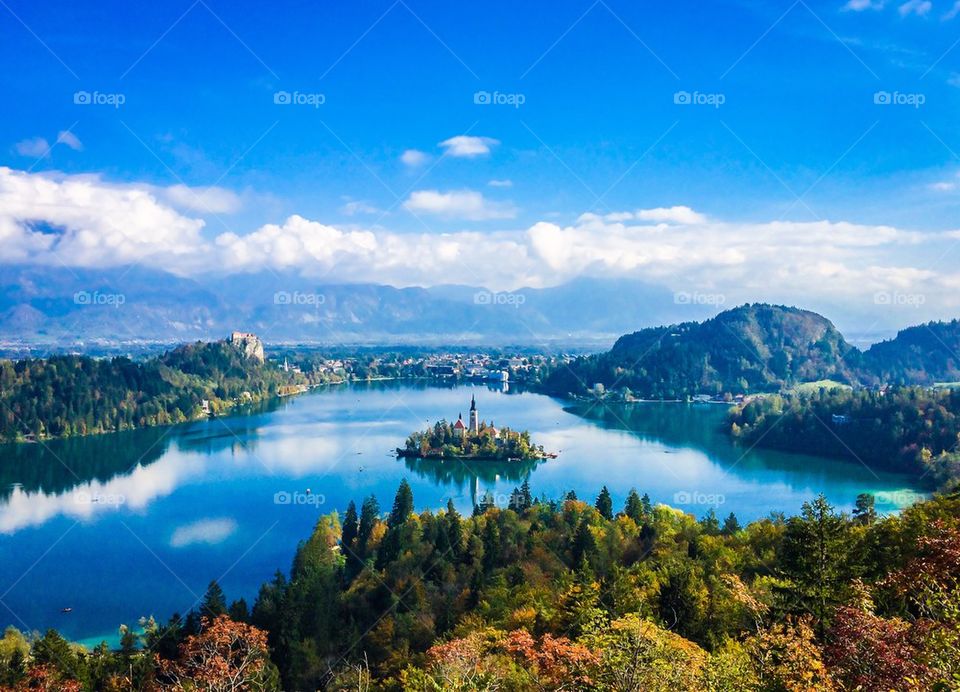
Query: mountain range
pixel 68 306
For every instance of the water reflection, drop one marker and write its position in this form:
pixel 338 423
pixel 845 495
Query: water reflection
pixel 459 473
pixel 85 476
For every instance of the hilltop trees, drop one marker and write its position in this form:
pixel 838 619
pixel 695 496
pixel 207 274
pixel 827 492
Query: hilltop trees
pixel 556 596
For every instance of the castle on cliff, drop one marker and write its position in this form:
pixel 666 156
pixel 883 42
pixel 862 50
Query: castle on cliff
pixel 249 344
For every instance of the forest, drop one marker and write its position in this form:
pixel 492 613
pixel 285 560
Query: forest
pixel 68 395
pixel 909 429
pixel 564 594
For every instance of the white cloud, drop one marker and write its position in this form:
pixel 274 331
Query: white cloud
pixel 70 139
pixel 209 531
pixel 205 200
pixel 37 147
pixel 500 183
pixel 297 244
pixel 82 220
pixel 670 215
pixel 466 146
pixel 861 5
pixel 917 7
pixel 458 204
pixel 944 186
pixel 414 158
pixel 352 207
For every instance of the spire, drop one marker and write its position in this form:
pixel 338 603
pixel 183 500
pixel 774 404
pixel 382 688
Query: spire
pixel 473 403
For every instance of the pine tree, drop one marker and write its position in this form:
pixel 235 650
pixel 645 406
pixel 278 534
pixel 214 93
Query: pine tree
pixel 730 525
pixel 647 506
pixel 634 507
pixel 402 505
pixel 604 503
pixel 865 511
pixel 453 529
pixel 351 527
pixel 214 602
pixel 369 514
pixel 709 523
pixel 526 499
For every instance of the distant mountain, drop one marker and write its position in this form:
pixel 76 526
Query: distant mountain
pixel 925 354
pixel 750 348
pixel 68 307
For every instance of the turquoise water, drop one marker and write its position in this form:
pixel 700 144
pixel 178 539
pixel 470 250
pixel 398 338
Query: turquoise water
pixel 135 524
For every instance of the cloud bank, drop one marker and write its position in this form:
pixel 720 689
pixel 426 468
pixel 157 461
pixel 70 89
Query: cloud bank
pixel 85 221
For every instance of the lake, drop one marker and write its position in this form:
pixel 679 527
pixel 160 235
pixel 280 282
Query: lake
pixel 132 524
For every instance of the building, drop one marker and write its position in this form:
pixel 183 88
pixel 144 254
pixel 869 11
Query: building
pixel 474 417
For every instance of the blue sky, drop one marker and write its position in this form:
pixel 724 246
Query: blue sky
pixel 788 128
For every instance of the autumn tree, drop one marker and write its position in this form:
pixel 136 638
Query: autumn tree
pixel 225 656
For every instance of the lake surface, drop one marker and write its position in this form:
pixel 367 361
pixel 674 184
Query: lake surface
pixel 134 524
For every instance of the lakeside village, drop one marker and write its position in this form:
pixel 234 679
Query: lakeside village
pixel 494 369
pixel 475 441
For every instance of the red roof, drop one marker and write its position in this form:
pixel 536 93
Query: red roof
pixel 459 424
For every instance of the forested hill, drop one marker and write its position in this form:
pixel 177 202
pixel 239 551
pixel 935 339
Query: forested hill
pixel 924 354
pixel 76 395
pixel 750 348
pixel 755 348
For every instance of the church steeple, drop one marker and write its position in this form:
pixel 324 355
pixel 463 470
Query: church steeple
pixel 474 418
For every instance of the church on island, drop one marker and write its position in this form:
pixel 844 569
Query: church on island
pixel 474 427
pixel 471 439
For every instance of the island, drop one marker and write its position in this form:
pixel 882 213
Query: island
pixel 476 440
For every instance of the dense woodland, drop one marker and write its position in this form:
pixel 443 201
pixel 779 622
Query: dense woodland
pixel 758 348
pixel 562 595
pixel 910 429
pixel 62 396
